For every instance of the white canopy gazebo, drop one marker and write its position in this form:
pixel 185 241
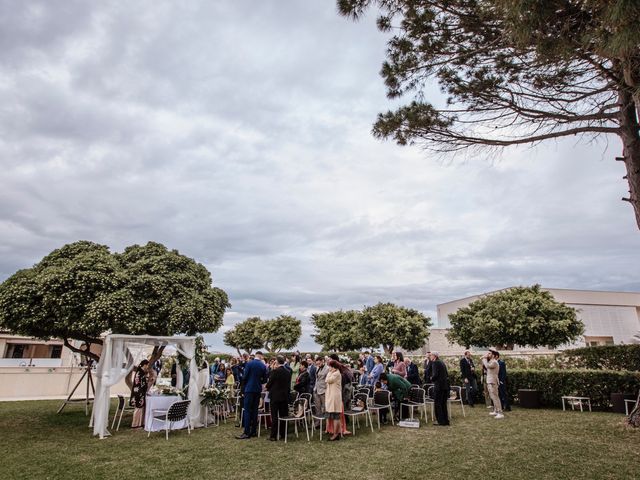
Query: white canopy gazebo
pixel 120 355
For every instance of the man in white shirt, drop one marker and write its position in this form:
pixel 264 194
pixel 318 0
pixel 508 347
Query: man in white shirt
pixel 491 364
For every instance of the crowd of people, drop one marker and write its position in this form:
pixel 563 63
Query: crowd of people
pixel 329 384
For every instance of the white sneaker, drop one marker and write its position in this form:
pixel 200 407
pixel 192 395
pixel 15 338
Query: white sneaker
pixel 499 415
pixel 492 413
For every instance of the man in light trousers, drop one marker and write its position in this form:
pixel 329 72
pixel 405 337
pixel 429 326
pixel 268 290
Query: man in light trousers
pixel 491 364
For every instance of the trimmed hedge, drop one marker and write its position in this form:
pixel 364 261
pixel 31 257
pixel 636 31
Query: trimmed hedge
pixel 606 357
pixel 596 384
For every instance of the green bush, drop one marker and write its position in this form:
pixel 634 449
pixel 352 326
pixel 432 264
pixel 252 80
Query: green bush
pixel 607 357
pixel 596 384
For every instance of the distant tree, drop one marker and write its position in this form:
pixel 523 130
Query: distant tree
pixel 525 316
pixel 280 333
pixel 82 290
pixel 339 331
pixel 393 326
pixel 245 335
pixel 515 72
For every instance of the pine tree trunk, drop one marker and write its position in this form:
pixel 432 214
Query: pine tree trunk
pixel 630 135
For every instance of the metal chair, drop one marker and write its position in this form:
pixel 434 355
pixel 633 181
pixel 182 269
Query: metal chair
pixel 429 399
pixel 360 407
pixel 416 399
pixel 455 396
pixel 122 407
pixel 264 413
pixel 177 412
pixel 321 419
pixel 382 400
pixel 298 415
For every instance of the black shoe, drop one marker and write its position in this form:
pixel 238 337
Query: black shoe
pixel 243 437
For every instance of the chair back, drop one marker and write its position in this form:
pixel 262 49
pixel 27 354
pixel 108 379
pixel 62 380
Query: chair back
pixel 430 392
pixel 178 411
pixel 307 397
pixel 293 396
pixel 455 393
pixel 121 402
pixel 299 407
pixel 417 395
pixel 360 402
pixel 382 397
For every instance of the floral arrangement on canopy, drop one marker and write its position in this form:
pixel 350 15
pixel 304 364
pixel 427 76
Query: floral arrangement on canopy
pixel 211 396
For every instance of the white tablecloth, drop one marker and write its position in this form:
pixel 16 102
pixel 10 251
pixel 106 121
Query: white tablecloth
pixel 160 402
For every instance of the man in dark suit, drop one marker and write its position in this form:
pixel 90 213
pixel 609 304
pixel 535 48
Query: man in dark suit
pixel 427 368
pixel 278 386
pixel 468 372
pixel 255 373
pixel 440 379
pixel 502 386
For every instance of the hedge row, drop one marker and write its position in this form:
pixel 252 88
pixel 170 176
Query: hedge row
pixel 596 384
pixel 606 357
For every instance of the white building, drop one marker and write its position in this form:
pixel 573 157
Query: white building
pixel 610 318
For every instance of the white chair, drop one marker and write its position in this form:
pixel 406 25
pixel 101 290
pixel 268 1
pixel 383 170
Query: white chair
pixel 177 412
pixel 298 415
pixel 360 407
pixel 122 407
pixel 455 396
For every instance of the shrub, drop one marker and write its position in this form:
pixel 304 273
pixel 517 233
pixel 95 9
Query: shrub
pixel 596 384
pixel 606 357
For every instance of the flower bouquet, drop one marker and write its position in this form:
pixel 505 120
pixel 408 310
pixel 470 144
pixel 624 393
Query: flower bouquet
pixel 168 390
pixel 211 396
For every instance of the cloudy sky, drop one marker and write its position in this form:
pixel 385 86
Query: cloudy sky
pixel 238 132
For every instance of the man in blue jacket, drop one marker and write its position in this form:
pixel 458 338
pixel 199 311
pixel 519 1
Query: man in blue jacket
pixel 255 374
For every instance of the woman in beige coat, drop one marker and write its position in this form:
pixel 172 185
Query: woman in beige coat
pixel 333 400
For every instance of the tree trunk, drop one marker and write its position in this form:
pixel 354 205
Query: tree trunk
pixel 629 133
pixel 388 348
pixel 155 355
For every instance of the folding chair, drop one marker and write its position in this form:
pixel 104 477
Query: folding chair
pixel 416 399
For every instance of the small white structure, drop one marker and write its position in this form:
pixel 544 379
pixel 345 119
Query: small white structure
pixel 120 355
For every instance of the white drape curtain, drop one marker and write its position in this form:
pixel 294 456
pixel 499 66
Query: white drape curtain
pixel 120 355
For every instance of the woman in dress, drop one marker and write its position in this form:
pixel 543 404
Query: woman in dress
pixel 295 369
pixel 221 375
pixel 139 394
pixel 378 368
pixel 333 400
pixel 399 367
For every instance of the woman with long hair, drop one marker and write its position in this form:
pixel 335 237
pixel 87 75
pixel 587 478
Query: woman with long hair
pixel 139 394
pixel 295 368
pixel 333 400
pixel 399 367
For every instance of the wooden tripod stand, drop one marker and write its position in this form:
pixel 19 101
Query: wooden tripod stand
pixel 86 399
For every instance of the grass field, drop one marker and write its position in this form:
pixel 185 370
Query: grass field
pixel 36 443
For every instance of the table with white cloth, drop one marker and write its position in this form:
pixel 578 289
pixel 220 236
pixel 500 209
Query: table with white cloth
pixel 160 402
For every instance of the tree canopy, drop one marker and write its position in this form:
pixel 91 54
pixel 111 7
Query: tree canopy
pixel 394 326
pixel 245 335
pixel 339 331
pixel 82 290
pixel 525 316
pixel 280 333
pixel 514 72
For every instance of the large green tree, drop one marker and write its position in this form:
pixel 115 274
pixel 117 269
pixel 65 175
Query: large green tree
pixel 82 290
pixel 394 326
pixel 525 316
pixel 280 333
pixel 339 331
pixel 245 335
pixel 514 71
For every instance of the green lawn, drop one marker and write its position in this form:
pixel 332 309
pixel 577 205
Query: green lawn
pixel 36 443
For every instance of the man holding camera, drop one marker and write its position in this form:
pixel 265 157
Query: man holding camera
pixel 490 362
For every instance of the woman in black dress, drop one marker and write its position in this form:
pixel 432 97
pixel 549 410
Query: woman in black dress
pixel 139 394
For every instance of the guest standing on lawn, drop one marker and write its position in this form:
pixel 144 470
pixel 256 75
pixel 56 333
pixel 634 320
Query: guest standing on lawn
pixel 376 371
pixel 320 388
pixel 413 376
pixel 139 394
pixel 468 372
pixel 278 387
pixel 427 367
pixel 440 380
pixel 254 377
pixel 491 364
pixel 295 368
pixel 303 381
pixel 333 400
pixel 399 367
pixel 502 386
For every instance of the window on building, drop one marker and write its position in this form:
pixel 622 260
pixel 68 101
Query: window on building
pixel 56 351
pixel 18 350
pixel 596 341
